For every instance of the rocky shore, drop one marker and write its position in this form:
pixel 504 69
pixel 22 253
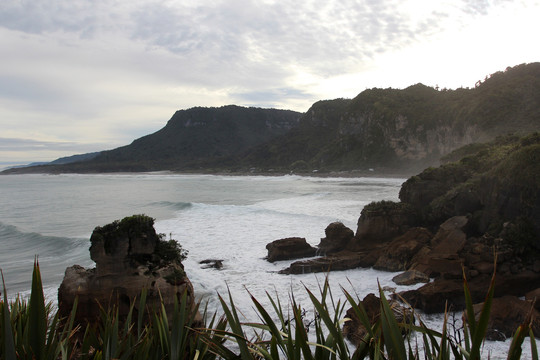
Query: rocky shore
pixel 475 216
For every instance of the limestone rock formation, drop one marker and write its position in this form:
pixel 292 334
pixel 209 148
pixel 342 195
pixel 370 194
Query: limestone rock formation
pixel 289 248
pixel 129 256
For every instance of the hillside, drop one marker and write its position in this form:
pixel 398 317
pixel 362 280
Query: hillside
pixel 191 139
pixel 406 129
pixel 396 130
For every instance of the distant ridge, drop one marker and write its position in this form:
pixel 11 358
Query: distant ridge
pixel 401 130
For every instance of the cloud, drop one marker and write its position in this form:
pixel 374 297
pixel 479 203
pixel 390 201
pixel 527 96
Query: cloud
pixel 96 71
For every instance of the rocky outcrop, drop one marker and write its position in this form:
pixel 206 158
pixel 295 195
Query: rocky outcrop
pixel 410 277
pixel 337 262
pixel 129 257
pixel 506 315
pixel 355 331
pixel 337 238
pixel 400 251
pixel 384 220
pixel 289 248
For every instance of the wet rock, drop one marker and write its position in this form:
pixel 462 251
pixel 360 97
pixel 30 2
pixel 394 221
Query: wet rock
pixel 212 264
pixel 506 315
pixel 410 277
pixel 289 248
pixel 336 262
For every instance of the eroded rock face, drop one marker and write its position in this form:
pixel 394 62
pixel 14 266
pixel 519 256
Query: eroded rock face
pixel 337 238
pixel 289 248
pixel 400 252
pixel 384 220
pixel 129 256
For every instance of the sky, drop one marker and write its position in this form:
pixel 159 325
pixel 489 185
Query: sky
pixel 80 76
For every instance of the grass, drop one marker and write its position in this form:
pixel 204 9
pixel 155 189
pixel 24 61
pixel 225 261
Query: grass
pixel 30 330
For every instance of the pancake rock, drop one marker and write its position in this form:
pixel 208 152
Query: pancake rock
pixel 129 257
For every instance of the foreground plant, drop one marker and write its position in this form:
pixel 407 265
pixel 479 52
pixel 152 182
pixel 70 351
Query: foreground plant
pixel 30 331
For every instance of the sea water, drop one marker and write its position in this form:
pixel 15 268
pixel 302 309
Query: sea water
pixel 227 218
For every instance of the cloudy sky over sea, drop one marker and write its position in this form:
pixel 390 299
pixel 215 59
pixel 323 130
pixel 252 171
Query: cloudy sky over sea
pixel 87 75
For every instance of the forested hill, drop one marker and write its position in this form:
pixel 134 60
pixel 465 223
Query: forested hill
pixel 406 129
pixel 190 138
pixel 401 129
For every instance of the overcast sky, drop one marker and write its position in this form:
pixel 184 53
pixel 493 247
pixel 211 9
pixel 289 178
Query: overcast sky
pixel 85 75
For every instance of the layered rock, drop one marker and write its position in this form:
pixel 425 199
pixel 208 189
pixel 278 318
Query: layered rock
pixel 289 248
pixel 129 257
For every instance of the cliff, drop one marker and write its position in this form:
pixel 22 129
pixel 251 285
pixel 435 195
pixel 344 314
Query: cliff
pixel 407 129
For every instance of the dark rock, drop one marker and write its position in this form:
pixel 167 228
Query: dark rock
pixel 433 297
pixel 212 264
pixel 410 277
pixel 450 239
pixel 506 315
pixel 384 220
pixel 337 238
pixel 289 248
pixel 534 297
pixel 400 251
pixel 336 262
pixel 354 330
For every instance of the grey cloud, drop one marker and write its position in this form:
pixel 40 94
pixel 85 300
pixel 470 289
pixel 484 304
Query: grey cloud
pixel 24 145
pixel 328 37
pixel 269 98
pixel 37 16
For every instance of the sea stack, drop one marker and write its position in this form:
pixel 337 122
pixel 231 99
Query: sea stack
pixel 129 256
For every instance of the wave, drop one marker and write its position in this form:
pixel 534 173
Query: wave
pixel 19 249
pixel 177 206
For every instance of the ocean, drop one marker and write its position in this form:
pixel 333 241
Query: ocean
pixel 230 218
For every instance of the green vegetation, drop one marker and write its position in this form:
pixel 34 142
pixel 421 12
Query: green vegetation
pixel 30 330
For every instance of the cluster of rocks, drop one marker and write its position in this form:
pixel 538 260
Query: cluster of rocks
pixel 129 256
pixel 387 239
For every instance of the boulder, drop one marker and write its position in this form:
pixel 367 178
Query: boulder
pixel 289 248
pixel 212 264
pixel 450 238
pixel 436 295
pixel 443 259
pixel 410 277
pixel 337 238
pixel 336 262
pixel 400 251
pixel 354 330
pixel 507 314
pixel 129 257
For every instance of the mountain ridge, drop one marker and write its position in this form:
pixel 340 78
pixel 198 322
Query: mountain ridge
pixel 401 129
